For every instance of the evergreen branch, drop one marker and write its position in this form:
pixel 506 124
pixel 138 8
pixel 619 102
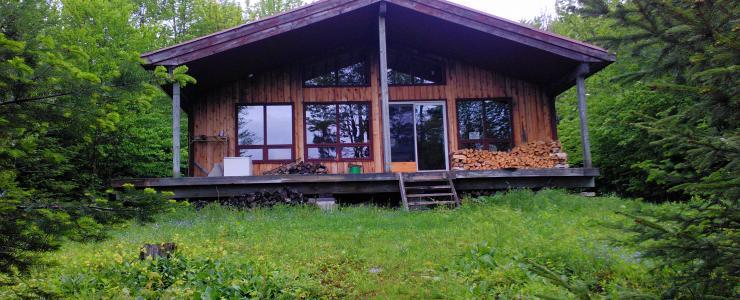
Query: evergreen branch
pixel 18 101
pixel 63 208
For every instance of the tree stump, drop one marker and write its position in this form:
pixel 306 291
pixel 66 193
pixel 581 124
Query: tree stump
pixel 163 250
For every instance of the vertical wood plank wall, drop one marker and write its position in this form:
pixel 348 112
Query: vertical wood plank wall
pixel 215 110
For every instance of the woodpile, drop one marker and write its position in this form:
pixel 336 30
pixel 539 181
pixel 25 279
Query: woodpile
pixel 265 199
pixel 298 168
pixel 532 155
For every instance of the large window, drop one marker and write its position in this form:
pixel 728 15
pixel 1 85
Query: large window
pixel 338 132
pixel 405 68
pixel 265 132
pixel 484 124
pixel 349 69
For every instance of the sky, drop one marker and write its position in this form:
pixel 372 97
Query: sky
pixel 514 10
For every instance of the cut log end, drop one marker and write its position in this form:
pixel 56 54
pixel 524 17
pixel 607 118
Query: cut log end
pixel 539 154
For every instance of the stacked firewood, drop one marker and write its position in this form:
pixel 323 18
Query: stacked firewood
pixel 265 199
pixel 298 168
pixel 532 155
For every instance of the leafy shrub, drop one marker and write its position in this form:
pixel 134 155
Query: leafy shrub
pixel 141 204
pixel 182 277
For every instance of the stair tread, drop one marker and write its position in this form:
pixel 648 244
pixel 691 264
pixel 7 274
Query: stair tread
pixel 425 179
pixel 428 187
pixel 427 195
pixel 422 203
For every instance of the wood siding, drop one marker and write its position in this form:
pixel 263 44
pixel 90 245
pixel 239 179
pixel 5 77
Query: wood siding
pixel 214 112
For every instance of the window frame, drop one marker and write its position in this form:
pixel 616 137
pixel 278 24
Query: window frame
pixel 420 56
pixel 339 145
pixel 485 140
pixel 360 53
pixel 265 147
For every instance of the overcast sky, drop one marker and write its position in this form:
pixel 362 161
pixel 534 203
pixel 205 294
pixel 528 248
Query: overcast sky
pixel 514 10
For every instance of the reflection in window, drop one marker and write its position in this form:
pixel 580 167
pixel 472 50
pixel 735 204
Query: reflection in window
pixel 338 131
pixel 402 133
pixel 341 70
pixel 484 124
pixel 409 69
pixel 265 132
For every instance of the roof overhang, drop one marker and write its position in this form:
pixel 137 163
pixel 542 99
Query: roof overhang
pixel 438 26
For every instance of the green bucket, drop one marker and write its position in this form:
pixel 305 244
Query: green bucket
pixel 355 169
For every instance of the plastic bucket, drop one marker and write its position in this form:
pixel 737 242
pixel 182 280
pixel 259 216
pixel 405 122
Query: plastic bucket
pixel 355 169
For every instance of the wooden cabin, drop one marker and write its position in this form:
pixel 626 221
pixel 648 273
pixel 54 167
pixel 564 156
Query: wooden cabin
pixel 390 85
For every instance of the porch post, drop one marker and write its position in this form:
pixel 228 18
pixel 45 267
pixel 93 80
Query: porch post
pixel 175 127
pixel 581 89
pixel 384 89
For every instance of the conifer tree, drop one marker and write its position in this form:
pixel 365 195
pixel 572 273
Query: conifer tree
pixel 688 49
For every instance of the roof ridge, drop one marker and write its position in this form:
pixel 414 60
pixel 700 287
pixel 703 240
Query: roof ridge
pixel 458 10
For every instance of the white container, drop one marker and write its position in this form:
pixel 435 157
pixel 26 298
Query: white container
pixel 237 166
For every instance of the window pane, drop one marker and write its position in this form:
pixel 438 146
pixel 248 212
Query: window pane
pixel 256 154
pixel 322 73
pixel 251 125
pixel 279 124
pixel 322 153
pixel 469 119
pixel 356 152
pixel 349 69
pixel 429 72
pixel 352 70
pixel 411 69
pixel 499 146
pixel 475 146
pixel 430 136
pixel 402 132
pixel 354 122
pixel 321 127
pixel 498 120
pixel 279 154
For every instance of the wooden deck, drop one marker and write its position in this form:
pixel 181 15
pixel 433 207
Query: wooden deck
pixel 218 187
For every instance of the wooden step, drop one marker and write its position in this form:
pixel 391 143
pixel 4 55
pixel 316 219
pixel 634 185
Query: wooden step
pixel 424 178
pixel 429 195
pixel 426 203
pixel 428 187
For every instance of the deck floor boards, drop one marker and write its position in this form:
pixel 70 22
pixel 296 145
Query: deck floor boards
pixel 215 187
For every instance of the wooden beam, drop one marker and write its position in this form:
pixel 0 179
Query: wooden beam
pixel 582 108
pixel 175 127
pixel 384 96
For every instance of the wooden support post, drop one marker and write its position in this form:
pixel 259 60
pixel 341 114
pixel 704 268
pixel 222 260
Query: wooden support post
pixel 175 127
pixel 582 108
pixel 384 89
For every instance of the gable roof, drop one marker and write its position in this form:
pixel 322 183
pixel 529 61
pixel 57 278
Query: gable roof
pixel 251 32
pixel 530 53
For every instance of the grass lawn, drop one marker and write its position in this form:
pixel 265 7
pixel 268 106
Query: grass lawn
pixel 481 250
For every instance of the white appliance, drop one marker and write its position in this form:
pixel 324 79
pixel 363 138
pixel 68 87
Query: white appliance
pixel 237 166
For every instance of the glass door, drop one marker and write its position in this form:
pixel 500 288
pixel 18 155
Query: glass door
pixel 418 136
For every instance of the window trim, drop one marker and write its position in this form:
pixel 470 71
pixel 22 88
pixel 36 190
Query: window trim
pixel 360 53
pixel 421 56
pixel 265 147
pixel 338 146
pixel 485 141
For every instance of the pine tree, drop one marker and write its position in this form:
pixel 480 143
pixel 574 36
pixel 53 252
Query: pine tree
pixel 688 49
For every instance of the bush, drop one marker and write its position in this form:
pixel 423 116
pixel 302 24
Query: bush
pixel 181 277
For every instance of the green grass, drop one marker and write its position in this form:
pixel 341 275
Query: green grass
pixel 478 251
